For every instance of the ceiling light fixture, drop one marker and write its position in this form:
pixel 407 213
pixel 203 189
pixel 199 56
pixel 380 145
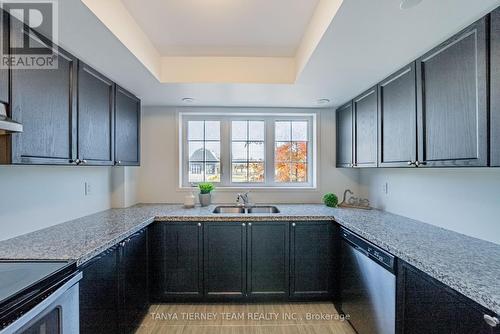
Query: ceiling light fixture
pixel 187 100
pixel 323 101
pixel 407 4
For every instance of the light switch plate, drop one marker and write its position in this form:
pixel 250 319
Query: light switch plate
pixel 88 189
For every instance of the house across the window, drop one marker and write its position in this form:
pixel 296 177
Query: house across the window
pixel 260 151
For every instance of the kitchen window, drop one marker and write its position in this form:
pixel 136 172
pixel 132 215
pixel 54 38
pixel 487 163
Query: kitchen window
pixel 247 150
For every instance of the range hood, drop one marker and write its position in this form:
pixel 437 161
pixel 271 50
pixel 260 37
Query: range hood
pixel 7 125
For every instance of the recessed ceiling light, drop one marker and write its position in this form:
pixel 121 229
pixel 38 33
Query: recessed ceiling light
pixel 323 101
pixel 407 4
pixel 187 100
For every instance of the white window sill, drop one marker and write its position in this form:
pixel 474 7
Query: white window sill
pixel 251 189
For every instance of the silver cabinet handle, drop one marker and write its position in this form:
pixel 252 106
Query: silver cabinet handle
pixel 491 321
pixel 119 162
pixel 76 161
pixel 199 224
pixel 243 224
pixel 293 224
pixel 122 244
pixel 249 224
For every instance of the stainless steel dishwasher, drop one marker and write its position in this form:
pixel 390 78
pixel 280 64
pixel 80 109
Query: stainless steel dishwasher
pixel 368 286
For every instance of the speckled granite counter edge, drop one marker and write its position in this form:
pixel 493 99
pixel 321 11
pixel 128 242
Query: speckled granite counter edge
pixel 96 251
pixel 229 217
pixel 198 218
pixel 478 297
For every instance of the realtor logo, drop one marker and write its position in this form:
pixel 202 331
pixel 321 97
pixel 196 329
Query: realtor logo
pixel 30 40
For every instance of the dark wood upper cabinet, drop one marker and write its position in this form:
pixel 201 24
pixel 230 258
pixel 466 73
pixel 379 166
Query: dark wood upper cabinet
pixel 267 260
pixel 452 101
pixel 345 136
pixel 4 72
pixel 365 109
pixel 225 260
pixel 426 306
pixel 44 101
pixel 176 261
pixel 495 88
pixel 95 117
pixel 127 128
pixel 398 119
pixel 312 260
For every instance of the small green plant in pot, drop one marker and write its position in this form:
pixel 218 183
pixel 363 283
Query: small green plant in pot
pixel 206 189
pixel 331 200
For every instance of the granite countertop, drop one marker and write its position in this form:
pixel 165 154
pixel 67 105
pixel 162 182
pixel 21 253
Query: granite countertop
pixel 468 265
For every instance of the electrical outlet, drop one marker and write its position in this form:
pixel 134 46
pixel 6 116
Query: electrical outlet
pixel 386 188
pixel 88 189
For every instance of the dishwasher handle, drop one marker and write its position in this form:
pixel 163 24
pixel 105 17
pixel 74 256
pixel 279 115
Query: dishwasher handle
pixel 371 251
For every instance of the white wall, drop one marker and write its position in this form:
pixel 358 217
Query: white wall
pixel 35 197
pixel 124 184
pixel 464 200
pixel 158 175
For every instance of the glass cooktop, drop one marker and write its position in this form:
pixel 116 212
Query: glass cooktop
pixel 16 277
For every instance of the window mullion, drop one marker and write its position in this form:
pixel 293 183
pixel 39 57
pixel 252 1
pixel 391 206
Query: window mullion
pixel 269 151
pixel 225 153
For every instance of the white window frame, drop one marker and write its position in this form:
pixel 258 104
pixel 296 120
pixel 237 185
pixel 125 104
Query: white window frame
pixel 269 138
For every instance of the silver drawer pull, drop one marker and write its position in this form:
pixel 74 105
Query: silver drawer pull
pixel 491 321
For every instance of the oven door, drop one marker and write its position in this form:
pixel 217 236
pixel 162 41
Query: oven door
pixel 57 314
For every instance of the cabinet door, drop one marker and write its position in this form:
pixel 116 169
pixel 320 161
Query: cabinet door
pixel 425 306
pixel 133 281
pixel 365 129
pixel 95 117
pixel 177 261
pixel 127 128
pixel 225 260
pixel 44 101
pixel 398 119
pixel 267 260
pixel 311 260
pixel 4 72
pixel 452 101
pixel 344 136
pixel 495 89
pixel 99 294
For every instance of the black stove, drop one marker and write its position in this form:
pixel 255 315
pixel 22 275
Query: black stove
pixel 23 284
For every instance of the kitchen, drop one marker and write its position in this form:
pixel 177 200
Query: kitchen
pixel 151 108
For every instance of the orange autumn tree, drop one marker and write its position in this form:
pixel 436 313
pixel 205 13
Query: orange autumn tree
pixel 291 158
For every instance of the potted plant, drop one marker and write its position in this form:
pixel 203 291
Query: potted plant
pixel 331 200
pixel 205 193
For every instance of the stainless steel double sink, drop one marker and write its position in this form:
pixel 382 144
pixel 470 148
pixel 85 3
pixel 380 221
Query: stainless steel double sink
pixel 228 209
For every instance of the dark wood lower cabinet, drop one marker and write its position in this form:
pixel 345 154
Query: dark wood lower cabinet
pixel 134 287
pixel 99 294
pixel 176 265
pixel 312 259
pixel 426 306
pixel 268 260
pixel 225 260
pixel 114 288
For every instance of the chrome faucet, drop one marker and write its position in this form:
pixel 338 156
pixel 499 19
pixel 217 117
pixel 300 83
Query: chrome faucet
pixel 243 198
